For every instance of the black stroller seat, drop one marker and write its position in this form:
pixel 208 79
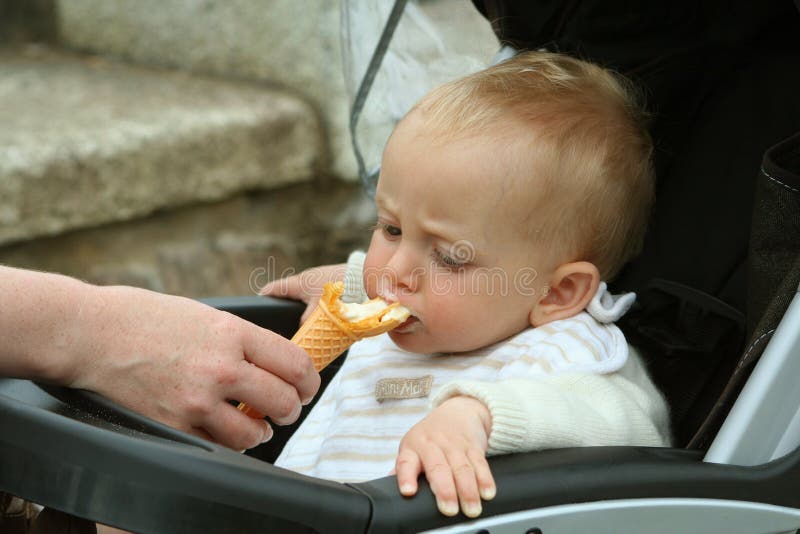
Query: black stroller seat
pixel 721 81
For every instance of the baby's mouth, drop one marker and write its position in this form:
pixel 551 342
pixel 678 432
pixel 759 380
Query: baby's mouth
pixel 409 325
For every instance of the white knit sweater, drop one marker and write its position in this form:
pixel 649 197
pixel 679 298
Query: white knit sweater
pixel 570 383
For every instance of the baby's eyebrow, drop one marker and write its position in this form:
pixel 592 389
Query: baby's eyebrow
pixel 382 203
pixel 449 236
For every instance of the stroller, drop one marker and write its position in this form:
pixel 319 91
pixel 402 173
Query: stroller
pixel 718 322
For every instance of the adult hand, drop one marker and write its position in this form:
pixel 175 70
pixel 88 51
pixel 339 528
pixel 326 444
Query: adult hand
pixel 449 445
pixel 180 362
pixel 305 286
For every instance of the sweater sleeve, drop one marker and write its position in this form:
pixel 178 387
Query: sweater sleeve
pixel 354 278
pixel 570 410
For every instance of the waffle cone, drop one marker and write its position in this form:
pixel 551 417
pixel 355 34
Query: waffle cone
pixel 325 335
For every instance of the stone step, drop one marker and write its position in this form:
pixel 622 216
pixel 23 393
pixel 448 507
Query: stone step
pixel 296 43
pixel 85 141
pixel 230 247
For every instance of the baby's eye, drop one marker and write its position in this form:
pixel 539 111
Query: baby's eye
pixel 390 230
pixel 449 262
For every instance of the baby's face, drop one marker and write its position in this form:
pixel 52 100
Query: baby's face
pixel 448 246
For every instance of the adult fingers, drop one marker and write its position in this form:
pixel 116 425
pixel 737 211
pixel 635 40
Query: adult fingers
pixel 230 427
pixel 282 358
pixel 440 478
pixel 466 483
pixel 200 433
pixel 266 393
pixel 486 485
pixel 407 467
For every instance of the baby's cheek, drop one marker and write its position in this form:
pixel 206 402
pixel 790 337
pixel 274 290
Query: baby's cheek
pixel 371 274
pixel 467 330
pixel 371 291
pixel 448 320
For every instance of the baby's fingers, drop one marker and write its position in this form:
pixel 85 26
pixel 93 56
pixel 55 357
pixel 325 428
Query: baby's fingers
pixel 291 287
pixel 486 485
pixel 408 467
pixel 466 480
pixel 440 478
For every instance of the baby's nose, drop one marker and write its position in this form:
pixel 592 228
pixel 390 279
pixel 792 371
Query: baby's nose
pixel 395 284
pixel 403 275
pixel 408 282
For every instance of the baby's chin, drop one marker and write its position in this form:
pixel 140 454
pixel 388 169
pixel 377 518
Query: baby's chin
pixel 420 342
pixel 409 339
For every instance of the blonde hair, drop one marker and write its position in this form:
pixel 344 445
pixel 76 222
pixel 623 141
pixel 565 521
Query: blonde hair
pixel 589 145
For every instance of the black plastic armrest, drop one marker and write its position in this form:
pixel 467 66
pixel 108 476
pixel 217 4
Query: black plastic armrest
pixel 279 315
pixel 72 456
pixel 78 453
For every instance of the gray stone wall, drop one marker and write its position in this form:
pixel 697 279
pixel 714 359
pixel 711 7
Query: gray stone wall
pixel 122 174
pixel 195 147
pixel 289 43
pixel 28 20
pixel 87 141
pixel 229 247
pixel 295 44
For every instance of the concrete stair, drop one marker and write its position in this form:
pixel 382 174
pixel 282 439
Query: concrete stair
pixel 86 141
pixel 294 43
pixel 185 146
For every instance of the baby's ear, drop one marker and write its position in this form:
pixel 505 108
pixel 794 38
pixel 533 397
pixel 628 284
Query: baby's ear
pixel 572 286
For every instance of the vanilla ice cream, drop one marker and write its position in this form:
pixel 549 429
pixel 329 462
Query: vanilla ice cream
pixel 354 312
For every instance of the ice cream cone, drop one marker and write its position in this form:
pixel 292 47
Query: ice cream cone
pixel 326 335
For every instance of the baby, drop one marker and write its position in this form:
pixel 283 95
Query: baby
pixel 504 199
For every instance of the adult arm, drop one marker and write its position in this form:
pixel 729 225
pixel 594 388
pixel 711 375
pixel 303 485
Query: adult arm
pixel 173 359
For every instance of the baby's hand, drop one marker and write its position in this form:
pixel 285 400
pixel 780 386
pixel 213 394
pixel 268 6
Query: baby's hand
pixel 305 286
pixel 450 445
